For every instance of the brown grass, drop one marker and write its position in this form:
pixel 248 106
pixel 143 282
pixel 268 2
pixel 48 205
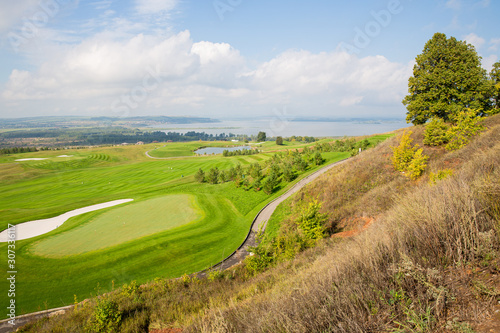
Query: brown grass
pixel 423 265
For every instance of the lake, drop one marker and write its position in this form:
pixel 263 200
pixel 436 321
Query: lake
pixel 286 128
pixel 219 150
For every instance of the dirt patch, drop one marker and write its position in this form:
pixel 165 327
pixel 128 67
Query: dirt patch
pixel 354 226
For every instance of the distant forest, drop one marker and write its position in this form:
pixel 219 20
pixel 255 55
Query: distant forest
pixel 149 137
pixel 98 136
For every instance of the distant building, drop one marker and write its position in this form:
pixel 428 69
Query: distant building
pixel 235 140
pixel 139 143
pixel 124 144
pixel 155 141
pixel 169 140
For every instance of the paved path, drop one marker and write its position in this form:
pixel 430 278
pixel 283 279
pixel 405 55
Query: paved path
pixel 259 223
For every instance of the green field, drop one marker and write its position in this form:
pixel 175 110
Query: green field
pixel 174 225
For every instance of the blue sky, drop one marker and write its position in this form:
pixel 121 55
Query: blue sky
pixel 225 58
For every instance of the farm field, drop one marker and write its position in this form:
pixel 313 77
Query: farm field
pixel 147 238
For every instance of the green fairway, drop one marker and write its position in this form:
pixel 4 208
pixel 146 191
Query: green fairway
pixel 122 225
pixel 174 225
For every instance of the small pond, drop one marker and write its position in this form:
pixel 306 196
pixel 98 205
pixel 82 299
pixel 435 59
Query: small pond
pixel 219 150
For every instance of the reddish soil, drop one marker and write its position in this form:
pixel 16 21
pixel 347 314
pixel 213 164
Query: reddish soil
pixel 354 226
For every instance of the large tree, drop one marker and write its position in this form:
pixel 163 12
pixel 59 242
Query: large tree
pixel 447 78
pixel 495 79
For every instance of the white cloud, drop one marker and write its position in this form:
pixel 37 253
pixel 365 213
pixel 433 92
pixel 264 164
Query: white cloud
pixel 13 11
pixel 475 40
pixel 100 5
pixel 494 44
pixel 488 62
pixel 197 78
pixel 155 6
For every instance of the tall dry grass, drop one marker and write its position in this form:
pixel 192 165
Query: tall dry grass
pixel 406 271
pixel 409 271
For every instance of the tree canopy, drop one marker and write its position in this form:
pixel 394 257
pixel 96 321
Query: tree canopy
pixel 447 78
pixel 495 80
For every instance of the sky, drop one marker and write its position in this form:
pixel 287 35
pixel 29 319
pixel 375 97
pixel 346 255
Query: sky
pixel 225 58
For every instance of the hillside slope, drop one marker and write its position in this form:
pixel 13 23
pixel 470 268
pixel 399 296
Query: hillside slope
pixel 428 261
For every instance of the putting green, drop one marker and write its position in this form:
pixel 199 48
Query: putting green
pixel 122 224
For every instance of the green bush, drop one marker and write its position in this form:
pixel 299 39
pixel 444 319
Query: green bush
pixel 417 165
pixel 200 176
pixel 105 318
pixel 409 159
pixel 467 125
pixel 436 132
pixel 311 222
pixel 441 174
pixel 130 289
pixel 259 261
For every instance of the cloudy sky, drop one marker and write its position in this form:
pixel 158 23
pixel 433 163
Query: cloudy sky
pixel 225 58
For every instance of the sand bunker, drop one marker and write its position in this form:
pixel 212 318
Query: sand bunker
pixel 39 227
pixel 65 156
pixel 31 159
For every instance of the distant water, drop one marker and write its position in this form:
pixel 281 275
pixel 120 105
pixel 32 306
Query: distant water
pixel 219 150
pixel 277 127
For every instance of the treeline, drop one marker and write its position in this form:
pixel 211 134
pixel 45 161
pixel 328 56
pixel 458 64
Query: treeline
pixel 108 136
pixel 306 139
pixel 17 150
pixel 28 134
pixel 228 153
pixel 149 137
pixel 282 167
pixel 344 145
pixel 266 176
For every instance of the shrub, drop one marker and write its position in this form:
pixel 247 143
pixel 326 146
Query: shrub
pixel 130 289
pixel 467 125
pixel 311 222
pixel 409 159
pixel 259 261
pixel 213 175
pixel 417 165
pixel 318 159
pixel 215 275
pixel 441 174
pixel 436 132
pixel 200 176
pixel 105 318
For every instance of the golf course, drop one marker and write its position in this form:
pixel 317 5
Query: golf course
pixel 175 225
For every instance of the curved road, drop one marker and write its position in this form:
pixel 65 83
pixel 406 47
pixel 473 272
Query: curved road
pixel 259 223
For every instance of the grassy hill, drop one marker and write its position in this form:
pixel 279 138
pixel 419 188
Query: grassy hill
pixel 404 256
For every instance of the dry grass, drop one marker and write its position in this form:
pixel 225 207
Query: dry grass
pixel 417 268
pixel 408 271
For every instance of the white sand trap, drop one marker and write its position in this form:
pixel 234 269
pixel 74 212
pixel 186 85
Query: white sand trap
pixel 31 159
pixel 39 227
pixel 65 156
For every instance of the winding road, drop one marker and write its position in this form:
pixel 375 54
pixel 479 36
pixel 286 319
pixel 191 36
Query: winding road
pixel 259 223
